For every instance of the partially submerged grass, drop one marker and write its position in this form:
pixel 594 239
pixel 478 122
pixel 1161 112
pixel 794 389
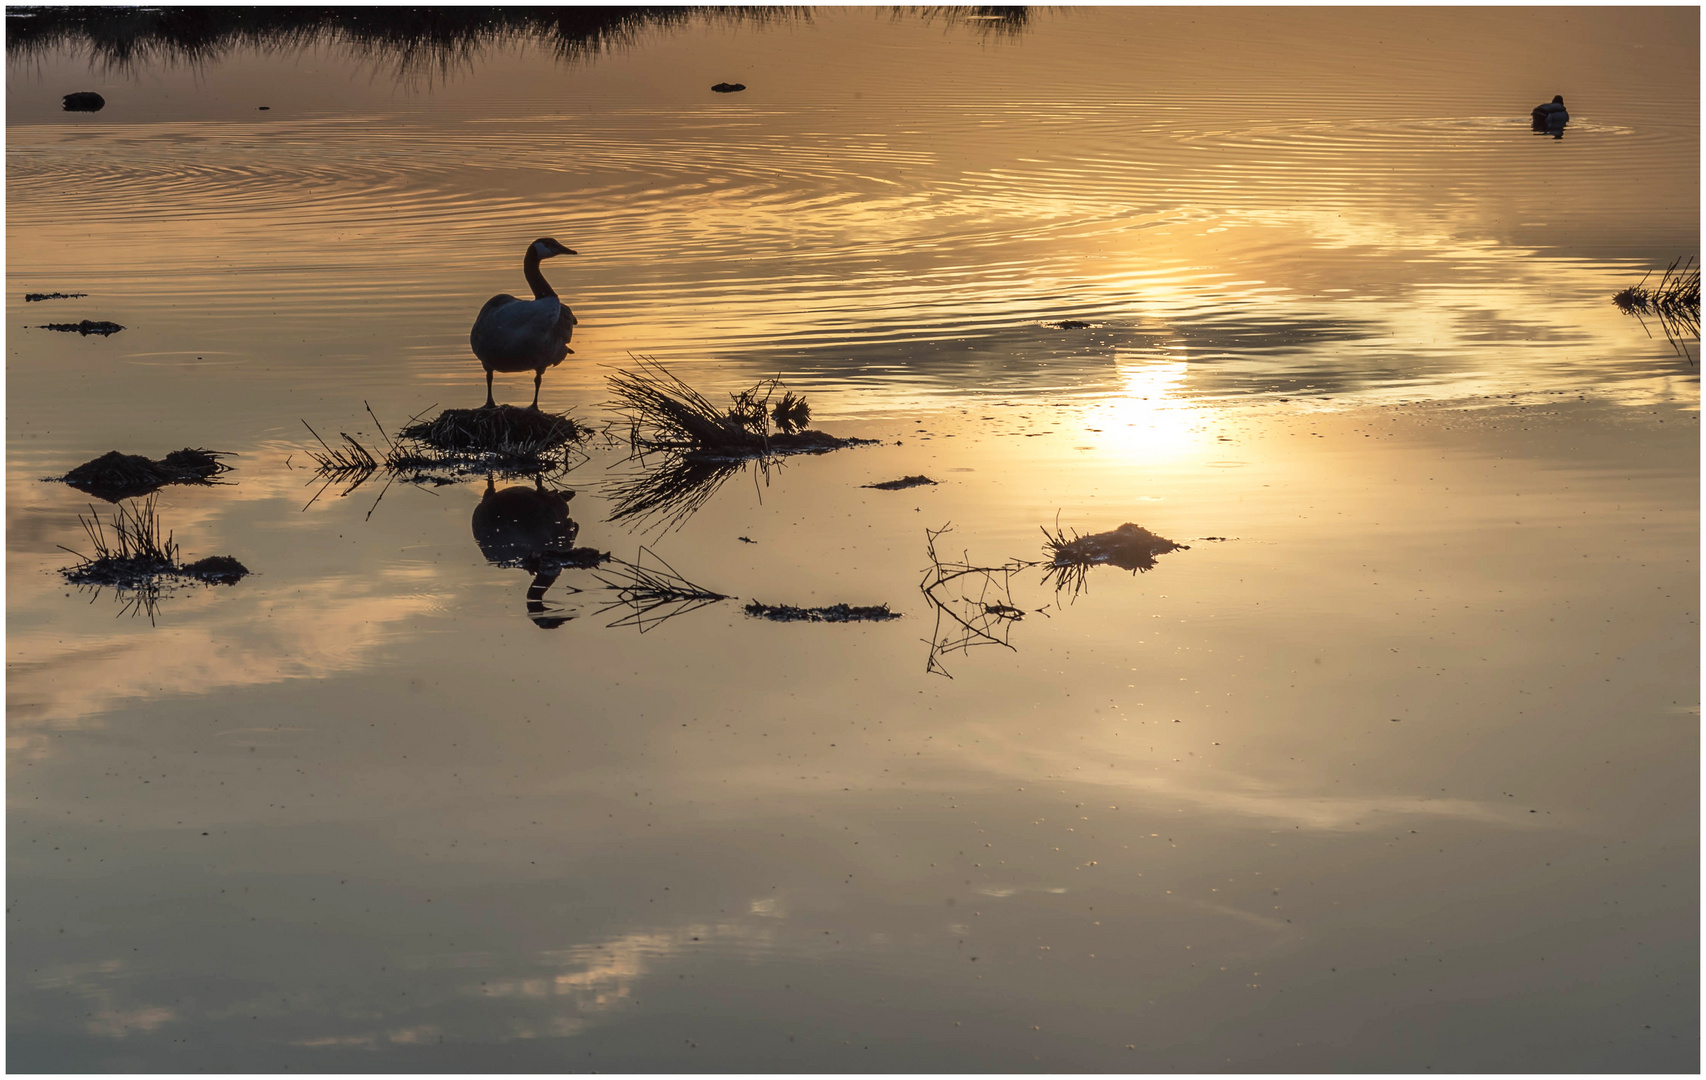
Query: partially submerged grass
pixel 666 496
pixel 458 444
pixel 833 613
pixel 1674 301
pixel 1129 547
pixel 114 476
pixel 132 557
pixel 666 414
pixel 506 431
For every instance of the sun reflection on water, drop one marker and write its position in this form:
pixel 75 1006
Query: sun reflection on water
pixel 1149 419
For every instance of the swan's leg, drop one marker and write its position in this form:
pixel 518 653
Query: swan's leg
pixel 538 377
pixel 490 404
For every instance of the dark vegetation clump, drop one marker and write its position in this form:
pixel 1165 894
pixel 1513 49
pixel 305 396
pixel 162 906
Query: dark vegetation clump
pixel 833 613
pixel 650 594
pixel 459 444
pixel 1674 301
pixel 1072 324
pixel 138 561
pixel 32 297
pixel 506 430
pixel 667 415
pixel 114 476
pixel 83 101
pixel 728 88
pixel 1129 547
pixel 86 327
pixel 903 482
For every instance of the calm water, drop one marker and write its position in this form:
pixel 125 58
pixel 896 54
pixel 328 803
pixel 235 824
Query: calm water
pixel 1395 769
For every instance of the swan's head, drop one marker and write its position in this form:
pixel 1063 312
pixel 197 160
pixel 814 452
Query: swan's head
pixel 545 247
pixel 1557 99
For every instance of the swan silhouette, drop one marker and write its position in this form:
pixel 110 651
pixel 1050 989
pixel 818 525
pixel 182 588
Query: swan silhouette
pixel 525 335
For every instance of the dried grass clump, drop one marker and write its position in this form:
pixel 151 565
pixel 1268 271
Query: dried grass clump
pixel 1674 301
pixel 138 562
pixel 505 430
pixel 666 414
pixel 86 327
pixel 1129 547
pixel 114 476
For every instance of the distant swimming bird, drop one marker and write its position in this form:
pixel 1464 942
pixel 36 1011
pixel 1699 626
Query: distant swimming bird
pixel 525 335
pixel 1551 114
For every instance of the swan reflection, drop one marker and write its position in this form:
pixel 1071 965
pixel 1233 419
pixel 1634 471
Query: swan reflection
pixel 530 528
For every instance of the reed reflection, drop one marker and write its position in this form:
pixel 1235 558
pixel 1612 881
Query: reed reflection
pixel 530 528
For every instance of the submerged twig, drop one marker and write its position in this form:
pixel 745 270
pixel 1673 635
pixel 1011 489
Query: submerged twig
pixel 974 604
pixel 653 594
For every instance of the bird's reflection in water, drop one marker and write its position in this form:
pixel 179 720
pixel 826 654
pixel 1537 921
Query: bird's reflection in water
pixel 530 528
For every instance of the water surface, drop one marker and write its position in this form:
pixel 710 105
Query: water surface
pixel 1395 768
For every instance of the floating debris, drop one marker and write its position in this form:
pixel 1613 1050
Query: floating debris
pixel 728 88
pixel 1071 324
pixel 86 327
pixel 32 297
pixel 114 476
pixel 1675 302
pixel 83 101
pixel 1129 547
pixel 903 482
pixel 138 563
pixel 833 613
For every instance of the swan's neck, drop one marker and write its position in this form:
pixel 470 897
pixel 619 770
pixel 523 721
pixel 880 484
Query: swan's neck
pixel 530 267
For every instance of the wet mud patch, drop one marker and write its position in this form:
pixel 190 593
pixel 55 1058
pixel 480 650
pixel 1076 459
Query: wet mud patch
pixel 902 483
pixel 839 613
pixel 114 476
pixel 86 327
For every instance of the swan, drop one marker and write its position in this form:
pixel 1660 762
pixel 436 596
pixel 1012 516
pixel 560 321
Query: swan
pixel 525 335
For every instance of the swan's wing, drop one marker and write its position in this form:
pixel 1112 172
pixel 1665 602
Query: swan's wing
pixel 521 331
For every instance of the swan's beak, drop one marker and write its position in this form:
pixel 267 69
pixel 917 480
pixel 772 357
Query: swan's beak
pixel 568 251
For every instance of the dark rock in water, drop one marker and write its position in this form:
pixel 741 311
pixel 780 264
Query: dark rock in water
pixel 728 88
pixel 1072 324
pixel 114 476
pixel 216 570
pixel 86 327
pixel 834 613
pixel 31 297
pixel 903 482
pixel 84 101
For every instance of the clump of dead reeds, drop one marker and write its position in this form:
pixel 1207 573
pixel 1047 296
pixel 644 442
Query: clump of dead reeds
pixel 505 430
pixel 1674 301
pixel 137 559
pixel 665 414
pixel 1129 547
pixel 457 444
pixel 114 476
